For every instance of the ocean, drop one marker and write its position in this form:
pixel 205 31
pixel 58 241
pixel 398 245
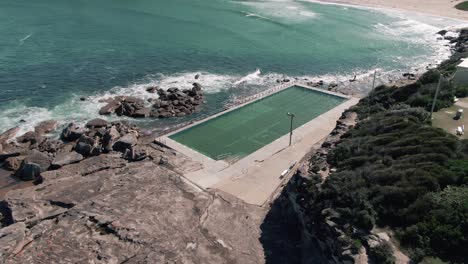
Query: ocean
pixel 52 52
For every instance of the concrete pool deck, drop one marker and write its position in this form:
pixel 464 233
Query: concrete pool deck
pixel 255 177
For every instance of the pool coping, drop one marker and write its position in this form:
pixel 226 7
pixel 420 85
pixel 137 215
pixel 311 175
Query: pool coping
pixel 165 139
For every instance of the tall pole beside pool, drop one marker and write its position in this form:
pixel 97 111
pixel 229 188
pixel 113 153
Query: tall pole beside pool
pixel 435 95
pixel 291 127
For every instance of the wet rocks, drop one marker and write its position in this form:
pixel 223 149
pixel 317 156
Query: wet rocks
pixel 72 132
pixel 46 127
pixel 152 89
pixel 110 107
pixel 31 137
pixel 442 32
pixel 8 135
pixel 96 123
pixel 142 112
pixel 171 102
pixel 409 76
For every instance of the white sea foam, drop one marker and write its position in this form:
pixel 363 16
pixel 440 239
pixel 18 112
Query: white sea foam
pixel 408 30
pixel 285 10
pixel 75 110
pixel 24 117
pixel 249 77
pixel 421 34
pixel 247 14
pixel 21 41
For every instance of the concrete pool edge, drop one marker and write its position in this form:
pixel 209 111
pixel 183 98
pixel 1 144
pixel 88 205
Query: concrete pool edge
pixel 255 178
pixel 248 101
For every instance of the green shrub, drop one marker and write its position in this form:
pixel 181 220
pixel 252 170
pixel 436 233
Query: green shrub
pixel 461 91
pixel 462 6
pixel 356 245
pixel 364 220
pixel 431 76
pixel 395 170
pixel 432 260
pixel 382 253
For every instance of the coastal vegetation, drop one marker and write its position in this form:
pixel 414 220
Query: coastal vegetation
pixel 394 170
pixel 462 6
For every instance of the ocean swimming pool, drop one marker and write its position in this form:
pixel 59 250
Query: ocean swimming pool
pixel 244 130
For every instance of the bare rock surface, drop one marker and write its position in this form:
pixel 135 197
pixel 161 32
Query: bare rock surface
pixel 46 127
pixel 8 135
pixel 108 210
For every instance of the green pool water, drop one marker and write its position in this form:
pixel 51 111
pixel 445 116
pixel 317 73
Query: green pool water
pixel 240 132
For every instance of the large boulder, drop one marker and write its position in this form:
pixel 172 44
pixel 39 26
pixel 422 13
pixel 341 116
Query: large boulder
pixel 126 109
pixel 172 90
pixel 14 163
pixel 142 112
pixel 126 142
pixel 136 153
pixel 45 127
pixel 9 134
pixel 29 171
pixel 109 138
pixel 197 86
pixel 87 146
pixel 72 132
pixel 66 158
pixel 133 100
pixel 31 136
pixel 33 165
pixel 96 123
pixel 152 89
pixel 110 107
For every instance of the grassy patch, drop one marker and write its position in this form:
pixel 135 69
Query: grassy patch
pixel 462 6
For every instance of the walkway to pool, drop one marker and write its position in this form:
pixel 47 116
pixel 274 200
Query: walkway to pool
pixel 255 178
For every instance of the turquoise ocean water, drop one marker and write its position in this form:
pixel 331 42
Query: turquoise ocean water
pixel 54 51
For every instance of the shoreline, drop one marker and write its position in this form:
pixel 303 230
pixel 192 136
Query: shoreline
pixel 433 8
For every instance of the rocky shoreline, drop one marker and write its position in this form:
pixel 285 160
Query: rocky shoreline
pixel 113 195
pixel 170 103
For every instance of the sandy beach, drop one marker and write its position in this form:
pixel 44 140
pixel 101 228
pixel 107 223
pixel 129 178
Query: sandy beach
pixel 444 8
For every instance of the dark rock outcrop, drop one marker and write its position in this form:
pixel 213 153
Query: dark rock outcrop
pixel 33 165
pixel 110 107
pixel 96 123
pixel 173 102
pixel 72 132
pixel 87 146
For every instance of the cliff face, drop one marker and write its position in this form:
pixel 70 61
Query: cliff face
pixel 106 210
